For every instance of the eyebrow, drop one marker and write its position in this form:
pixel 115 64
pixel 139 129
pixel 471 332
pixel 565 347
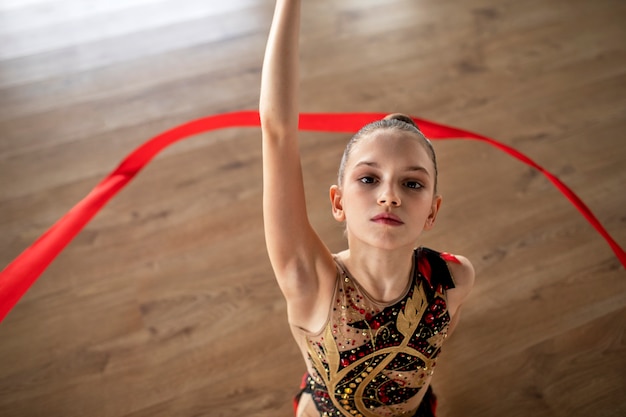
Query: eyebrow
pixel 409 168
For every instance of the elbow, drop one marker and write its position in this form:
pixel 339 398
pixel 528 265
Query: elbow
pixel 277 123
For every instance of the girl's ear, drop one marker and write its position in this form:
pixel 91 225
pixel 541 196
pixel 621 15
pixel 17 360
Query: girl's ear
pixel 430 221
pixel 337 205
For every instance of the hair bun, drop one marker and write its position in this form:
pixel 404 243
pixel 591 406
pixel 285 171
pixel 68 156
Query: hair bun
pixel 403 118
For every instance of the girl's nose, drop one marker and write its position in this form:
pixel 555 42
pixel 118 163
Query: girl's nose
pixel 389 198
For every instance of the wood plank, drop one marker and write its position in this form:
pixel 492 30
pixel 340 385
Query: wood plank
pixel 166 304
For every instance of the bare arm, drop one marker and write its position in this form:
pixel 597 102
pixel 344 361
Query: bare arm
pixel 464 276
pixel 302 263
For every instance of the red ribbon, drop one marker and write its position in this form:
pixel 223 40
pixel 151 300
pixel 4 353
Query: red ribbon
pixel 20 274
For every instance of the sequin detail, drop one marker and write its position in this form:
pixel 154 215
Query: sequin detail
pixel 371 359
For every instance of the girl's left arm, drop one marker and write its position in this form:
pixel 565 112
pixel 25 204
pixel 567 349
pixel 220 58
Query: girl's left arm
pixel 464 275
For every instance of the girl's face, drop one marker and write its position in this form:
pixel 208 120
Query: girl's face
pixel 387 197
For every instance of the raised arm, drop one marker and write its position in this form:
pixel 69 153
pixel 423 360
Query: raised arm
pixel 303 265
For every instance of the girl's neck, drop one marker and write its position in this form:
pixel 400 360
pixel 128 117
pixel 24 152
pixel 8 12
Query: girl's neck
pixel 384 274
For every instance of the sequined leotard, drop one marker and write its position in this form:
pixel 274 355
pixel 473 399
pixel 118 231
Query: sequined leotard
pixel 371 359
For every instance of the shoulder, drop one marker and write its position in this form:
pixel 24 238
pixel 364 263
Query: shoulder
pixel 463 275
pixel 460 269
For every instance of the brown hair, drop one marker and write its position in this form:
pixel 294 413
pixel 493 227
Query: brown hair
pixel 392 121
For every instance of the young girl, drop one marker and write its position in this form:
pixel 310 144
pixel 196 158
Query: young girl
pixel 370 321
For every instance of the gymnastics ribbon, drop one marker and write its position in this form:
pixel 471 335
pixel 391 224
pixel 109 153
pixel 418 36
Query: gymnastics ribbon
pixel 22 272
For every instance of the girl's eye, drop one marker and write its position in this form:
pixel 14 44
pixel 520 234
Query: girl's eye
pixel 413 184
pixel 367 180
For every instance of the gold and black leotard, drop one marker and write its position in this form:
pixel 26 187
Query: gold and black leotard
pixel 372 358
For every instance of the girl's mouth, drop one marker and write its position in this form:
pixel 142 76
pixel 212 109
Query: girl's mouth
pixel 388 219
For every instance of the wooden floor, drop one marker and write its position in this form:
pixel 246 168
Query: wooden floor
pixel 165 305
